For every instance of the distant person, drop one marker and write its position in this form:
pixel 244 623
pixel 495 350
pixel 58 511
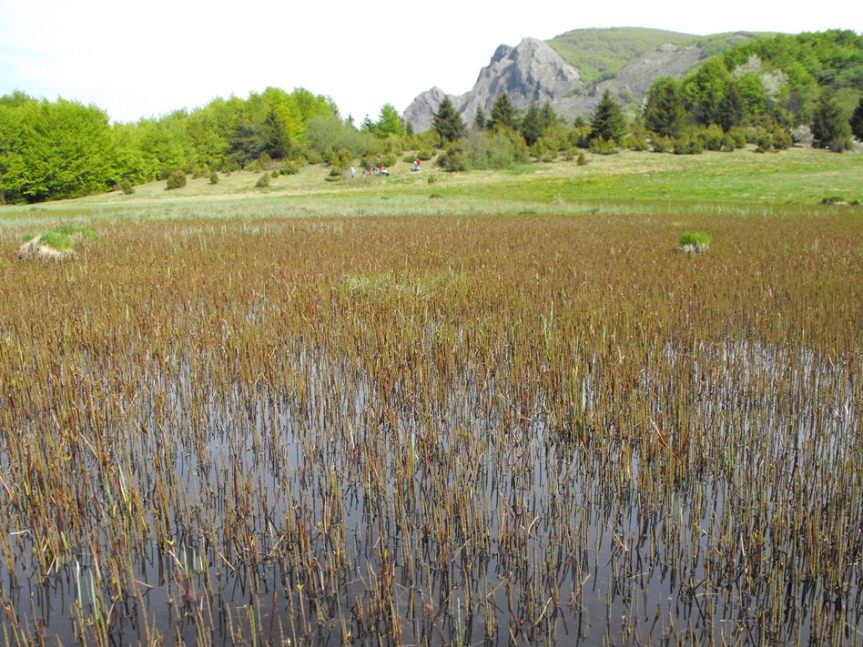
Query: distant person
pixel 353 172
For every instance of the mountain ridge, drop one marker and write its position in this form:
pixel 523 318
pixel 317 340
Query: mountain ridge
pixel 572 70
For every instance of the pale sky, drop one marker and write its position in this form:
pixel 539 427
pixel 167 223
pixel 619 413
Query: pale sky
pixel 141 59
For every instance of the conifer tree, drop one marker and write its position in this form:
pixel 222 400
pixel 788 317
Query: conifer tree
pixel 829 128
pixel 857 121
pixel 447 122
pixel 503 113
pixel 531 125
pixel 479 121
pixel 664 113
pixel 608 122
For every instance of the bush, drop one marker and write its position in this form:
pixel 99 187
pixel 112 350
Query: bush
pixel 764 143
pixel 214 177
pixel 432 179
pixel 176 179
pixel 126 187
pixel 661 144
pixel 635 142
pixel 711 137
pixel 600 146
pixel 582 160
pixel 263 181
pixel 290 169
pixel 452 160
pixel 738 136
pixel 688 146
pixel 781 138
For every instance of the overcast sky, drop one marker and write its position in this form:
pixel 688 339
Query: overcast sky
pixel 140 59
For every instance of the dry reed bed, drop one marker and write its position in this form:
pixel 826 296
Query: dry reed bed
pixel 436 430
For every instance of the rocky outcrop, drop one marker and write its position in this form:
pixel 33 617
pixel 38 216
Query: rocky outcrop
pixel 420 113
pixel 534 72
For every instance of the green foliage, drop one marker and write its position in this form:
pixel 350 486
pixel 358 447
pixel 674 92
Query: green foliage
pixel 264 181
pixel 480 122
pixel 389 123
pixel 290 168
pixel 704 91
pixel 532 126
pixel 214 177
pixel 493 150
pixel 447 122
pixel 688 144
pixel 452 160
pixel 54 150
pixel 857 121
pixel 694 238
pixel 600 53
pixel 830 127
pixel 608 122
pixel 126 187
pixel 600 146
pixel 664 112
pixel 503 114
pixel 582 160
pixel 176 179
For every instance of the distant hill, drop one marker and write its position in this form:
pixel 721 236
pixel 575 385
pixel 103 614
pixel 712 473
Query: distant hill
pixel 572 70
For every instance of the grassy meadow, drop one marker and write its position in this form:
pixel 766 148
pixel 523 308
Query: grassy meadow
pixel 494 408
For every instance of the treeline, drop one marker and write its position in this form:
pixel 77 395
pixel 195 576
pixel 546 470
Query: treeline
pixel 753 94
pixel 60 149
pixel 773 83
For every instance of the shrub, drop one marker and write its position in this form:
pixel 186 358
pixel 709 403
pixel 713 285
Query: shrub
pixel 334 175
pixel 781 138
pixel 126 187
pixel 600 146
pixel 738 135
pixel 582 160
pixel 661 144
pixel 452 160
pixel 290 169
pixel 263 181
pixel 711 137
pixel 432 179
pixel 214 177
pixel 688 145
pixel 176 179
pixel 764 142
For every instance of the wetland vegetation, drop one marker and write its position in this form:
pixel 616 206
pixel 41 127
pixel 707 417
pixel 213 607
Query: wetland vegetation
pixel 502 408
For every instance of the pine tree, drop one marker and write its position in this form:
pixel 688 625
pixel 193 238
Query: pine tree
pixel 608 122
pixel 479 121
pixel 503 113
pixel 447 122
pixel 531 125
pixel 731 111
pixel 857 121
pixel 664 113
pixel 829 128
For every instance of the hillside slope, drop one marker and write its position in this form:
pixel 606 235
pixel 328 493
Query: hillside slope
pixel 572 70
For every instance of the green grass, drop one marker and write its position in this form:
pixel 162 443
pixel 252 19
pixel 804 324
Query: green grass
pixel 57 240
pixel 601 53
pixel 694 238
pixel 627 183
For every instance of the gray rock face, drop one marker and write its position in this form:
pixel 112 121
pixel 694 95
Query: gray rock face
pixel 420 113
pixel 534 72
pixel 530 72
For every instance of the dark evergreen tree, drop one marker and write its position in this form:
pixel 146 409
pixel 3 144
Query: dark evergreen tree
pixel 857 121
pixel 547 116
pixel 479 121
pixel 608 122
pixel 704 91
pixel 447 122
pixel 830 129
pixel 731 110
pixel 503 113
pixel 531 125
pixel 664 113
